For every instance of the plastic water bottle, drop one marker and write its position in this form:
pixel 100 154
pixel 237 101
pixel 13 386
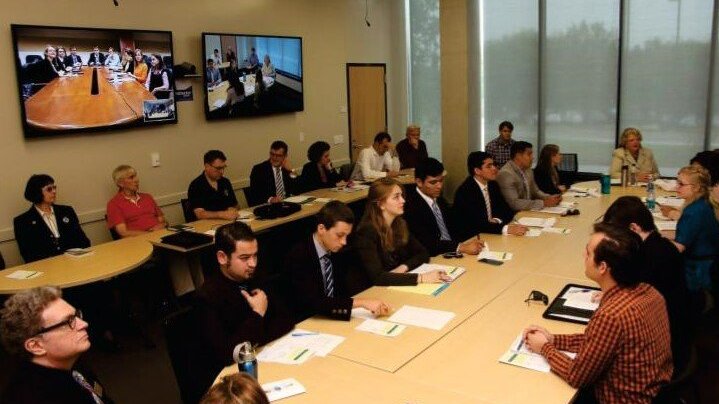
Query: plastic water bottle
pixel 244 355
pixel 651 193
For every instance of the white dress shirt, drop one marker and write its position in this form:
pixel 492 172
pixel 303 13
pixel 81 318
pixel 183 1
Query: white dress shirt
pixel 50 220
pixel 371 164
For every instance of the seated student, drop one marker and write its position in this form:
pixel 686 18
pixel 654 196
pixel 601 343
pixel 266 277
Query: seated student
pixel 96 58
pixel 46 229
pixel 238 388
pixel 479 206
pixel 212 74
pixel 545 173
pixel 130 212
pixel 624 354
pixel 516 181
pixel 232 308
pixel 411 150
pixel 428 216
pixel 210 195
pixel 317 276
pixel 384 247
pixel 662 268
pixel 318 172
pixel 112 59
pixel 48 335
pixel 697 235
pixel 44 71
pixel 271 180
pixel 73 59
pixel 377 161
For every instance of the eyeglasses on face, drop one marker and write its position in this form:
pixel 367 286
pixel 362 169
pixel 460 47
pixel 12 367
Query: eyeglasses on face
pixel 219 168
pixel 49 188
pixel 70 321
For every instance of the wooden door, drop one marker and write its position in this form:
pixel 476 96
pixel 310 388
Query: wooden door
pixel 367 99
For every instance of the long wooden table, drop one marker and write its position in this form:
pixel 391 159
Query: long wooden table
pixel 66 102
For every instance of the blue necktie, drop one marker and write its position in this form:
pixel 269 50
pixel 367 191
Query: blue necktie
pixel 444 233
pixel 327 275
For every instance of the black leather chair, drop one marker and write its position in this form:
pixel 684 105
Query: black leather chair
pixel 682 386
pixel 194 369
pixel 346 170
pixel 2 262
pixel 186 211
pixel 32 58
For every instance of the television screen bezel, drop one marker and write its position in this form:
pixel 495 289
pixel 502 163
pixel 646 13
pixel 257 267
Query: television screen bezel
pixel 204 76
pixel 30 133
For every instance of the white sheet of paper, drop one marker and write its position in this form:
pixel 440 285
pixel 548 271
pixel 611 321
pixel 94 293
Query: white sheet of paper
pixel 219 103
pixel 298 346
pixel 519 355
pixel 421 317
pixel 556 230
pixel 453 272
pixel 21 274
pixel 533 232
pixel 361 312
pixel 673 202
pixel 572 194
pixel 297 199
pixel 566 204
pixel 494 255
pixel 323 200
pixel 666 224
pixel 537 221
pixel 580 299
pixel 282 389
pixel 554 210
pixel 379 327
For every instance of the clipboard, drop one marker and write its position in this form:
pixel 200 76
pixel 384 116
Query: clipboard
pixel 557 310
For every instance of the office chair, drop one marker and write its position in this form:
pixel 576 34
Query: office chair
pixel 2 262
pixel 677 389
pixel 32 58
pixel 346 170
pixel 187 211
pixel 568 163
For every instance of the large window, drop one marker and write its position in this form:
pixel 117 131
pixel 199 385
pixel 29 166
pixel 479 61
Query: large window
pixel 425 98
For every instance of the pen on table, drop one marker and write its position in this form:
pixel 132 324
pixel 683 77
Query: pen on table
pixel 392 329
pixel 452 271
pixel 300 354
pixel 520 345
pixel 504 255
pixel 31 275
pixel 303 334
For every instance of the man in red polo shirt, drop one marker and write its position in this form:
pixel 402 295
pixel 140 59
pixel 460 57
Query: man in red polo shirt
pixel 131 213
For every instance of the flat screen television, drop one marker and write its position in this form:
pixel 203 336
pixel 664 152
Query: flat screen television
pixel 88 79
pixel 251 75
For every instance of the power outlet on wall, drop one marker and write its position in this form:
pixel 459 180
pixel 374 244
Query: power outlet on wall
pixel 302 137
pixel 155 159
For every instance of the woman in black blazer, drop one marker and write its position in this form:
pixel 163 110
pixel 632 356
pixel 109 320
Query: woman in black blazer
pixel 35 237
pixel 545 173
pixel 384 247
pixel 318 172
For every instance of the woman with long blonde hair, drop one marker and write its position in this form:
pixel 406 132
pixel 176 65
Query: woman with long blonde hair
pixel 385 248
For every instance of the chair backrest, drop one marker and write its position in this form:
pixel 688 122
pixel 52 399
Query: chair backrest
pixel 346 170
pixel 187 211
pixel 32 58
pixel 113 233
pixel 672 392
pixel 191 364
pixel 248 195
pixel 2 262
pixel 568 162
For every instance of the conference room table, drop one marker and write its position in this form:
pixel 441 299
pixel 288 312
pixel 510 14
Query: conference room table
pixel 66 102
pixel 460 362
pixel 217 95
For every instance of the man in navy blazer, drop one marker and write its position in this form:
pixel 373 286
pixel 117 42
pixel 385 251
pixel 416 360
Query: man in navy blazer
pixel 315 273
pixel 263 185
pixel 426 213
pixel 96 58
pixel 73 59
pixel 470 201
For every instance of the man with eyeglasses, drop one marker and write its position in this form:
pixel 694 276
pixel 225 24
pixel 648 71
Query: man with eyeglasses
pixel 48 335
pixel 271 181
pixel 210 195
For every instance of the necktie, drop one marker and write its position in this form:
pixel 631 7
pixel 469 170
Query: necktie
pixel 487 203
pixel 279 186
pixel 327 275
pixel 526 185
pixel 80 379
pixel 444 233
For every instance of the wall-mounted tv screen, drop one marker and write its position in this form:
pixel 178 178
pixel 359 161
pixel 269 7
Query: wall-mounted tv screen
pixel 85 79
pixel 251 75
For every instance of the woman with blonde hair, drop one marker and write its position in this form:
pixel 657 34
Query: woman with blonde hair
pixel 697 234
pixel 631 153
pixel 384 246
pixel 239 388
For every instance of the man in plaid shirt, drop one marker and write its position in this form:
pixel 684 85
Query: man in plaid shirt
pixel 499 147
pixel 624 354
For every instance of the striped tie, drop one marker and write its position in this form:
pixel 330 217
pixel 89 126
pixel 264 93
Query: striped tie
pixel 80 379
pixel 444 233
pixel 279 186
pixel 487 203
pixel 327 275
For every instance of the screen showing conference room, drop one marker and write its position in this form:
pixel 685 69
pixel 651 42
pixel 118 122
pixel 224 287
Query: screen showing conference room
pixel 248 75
pixel 85 79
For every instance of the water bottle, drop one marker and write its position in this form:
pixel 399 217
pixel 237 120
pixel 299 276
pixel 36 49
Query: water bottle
pixel 651 193
pixel 625 175
pixel 244 356
pixel 633 175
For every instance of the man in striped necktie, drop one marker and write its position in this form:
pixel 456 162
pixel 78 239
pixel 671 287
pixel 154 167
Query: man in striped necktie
pixel 316 272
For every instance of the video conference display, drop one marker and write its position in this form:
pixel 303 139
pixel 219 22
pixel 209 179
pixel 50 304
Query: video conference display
pixel 85 79
pixel 248 75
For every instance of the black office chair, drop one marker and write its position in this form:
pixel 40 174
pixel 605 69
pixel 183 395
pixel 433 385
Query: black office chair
pixel 187 211
pixel 568 163
pixel 682 385
pixel 2 262
pixel 193 367
pixel 346 170
pixel 32 58
pixel 248 196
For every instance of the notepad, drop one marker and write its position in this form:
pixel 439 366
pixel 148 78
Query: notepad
pixel 421 317
pixel 298 346
pixel 379 327
pixel 519 355
pixel 537 221
pixel 79 252
pixel 580 298
pixel 666 224
pixel 533 233
pixel 22 274
pixel 554 210
pixel 300 199
pixel 494 255
pixel 282 389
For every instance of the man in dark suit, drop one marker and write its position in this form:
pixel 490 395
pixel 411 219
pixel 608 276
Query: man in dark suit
pixel 472 212
pixel 315 274
pixel 428 215
pixel 96 58
pixel 271 181
pixel 73 59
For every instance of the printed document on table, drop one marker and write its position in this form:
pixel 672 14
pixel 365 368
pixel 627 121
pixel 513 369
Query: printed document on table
pixel 21 274
pixel 451 271
pixel 379 327
pixel 580 298
pixel 534 232
pixel 298 346
pixel 555 210
pixel 494 255
pixel 556 230
pixel 666 224
pixel 519 355
pixel 537 221
pixel 421 317
pixel 282 389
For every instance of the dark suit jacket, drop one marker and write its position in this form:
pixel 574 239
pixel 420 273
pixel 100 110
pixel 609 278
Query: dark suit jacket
pixel 470 209
pixel 262 183
pixel 423 225
pixel 303 273
pixel 544 182
pixel 69 60
pixel 374 263
pixel 311 178
pixel 35 239
pixel 92 59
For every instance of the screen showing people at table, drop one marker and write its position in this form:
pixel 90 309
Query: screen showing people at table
pixel 79 79
pixel 254 75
